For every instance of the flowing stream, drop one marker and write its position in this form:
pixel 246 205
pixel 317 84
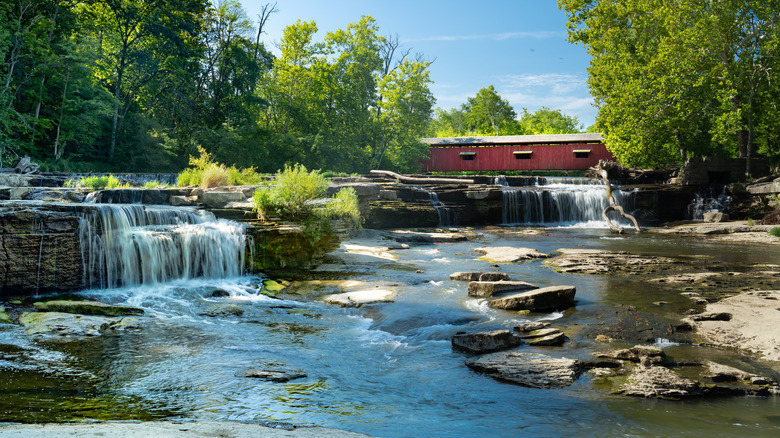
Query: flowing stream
pixel 386 369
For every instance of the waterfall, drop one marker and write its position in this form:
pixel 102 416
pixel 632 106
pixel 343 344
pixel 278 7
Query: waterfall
pixel 569 201
pixel 705 201
pixel 135 244
pixel 447 216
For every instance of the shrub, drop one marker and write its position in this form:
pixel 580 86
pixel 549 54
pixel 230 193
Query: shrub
pixel 214 175
pixel 206 173
pixel 101 182
pixel 344 205
pixel 775 231
pixel 290 193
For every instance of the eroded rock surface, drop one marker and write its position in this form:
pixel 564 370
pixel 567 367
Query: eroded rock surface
pixel 596 261
pixel 485 342
pixel 361 297
pixel 87 308
pixel 547 298
pixel 658 382
pixel 486 289
pixel 508 254
pixel 527 369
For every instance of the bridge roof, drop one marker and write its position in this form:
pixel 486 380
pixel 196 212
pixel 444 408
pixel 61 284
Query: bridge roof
pixel 499 140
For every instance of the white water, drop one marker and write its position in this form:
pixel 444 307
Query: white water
pixel 564 202
pixel 125 245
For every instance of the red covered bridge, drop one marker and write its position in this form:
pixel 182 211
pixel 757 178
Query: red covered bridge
pixel 515 152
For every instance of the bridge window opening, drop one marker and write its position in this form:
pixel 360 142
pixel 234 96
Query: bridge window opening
pixel 468 156
pixel 522 155
pixel 581 153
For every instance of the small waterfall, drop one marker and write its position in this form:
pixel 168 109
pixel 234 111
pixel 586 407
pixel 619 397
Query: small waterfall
pixel 499 181
pixel 447 216
pixel 563 201
pixel 135 244
pixel 705 201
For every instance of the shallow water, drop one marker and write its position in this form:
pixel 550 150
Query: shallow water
pixel 386 370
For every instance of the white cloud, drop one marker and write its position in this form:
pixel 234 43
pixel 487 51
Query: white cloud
pixel 563 91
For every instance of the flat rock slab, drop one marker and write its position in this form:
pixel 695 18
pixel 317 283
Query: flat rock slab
pixel 527 369
pixel 168 429
pixel 552 339
pixel 419 237
pixel 712 316
pixel 508 254
pixel 480 276
pixel 66 324
pixel 486 289
pixel 360 297
pixel 753 325
pixel 547 298
pixel 485 342
pixel 278 376
pixel 596 261
pixel 658 382
pixel 87 308
pixel 531 326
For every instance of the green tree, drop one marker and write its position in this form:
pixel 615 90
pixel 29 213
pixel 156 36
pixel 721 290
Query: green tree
pixel 548 121
pixel 488 111
pixel 679 78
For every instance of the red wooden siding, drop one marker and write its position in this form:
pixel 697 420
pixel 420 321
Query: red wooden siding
pixel 499 158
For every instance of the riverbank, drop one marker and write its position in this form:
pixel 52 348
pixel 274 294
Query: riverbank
pixel 169 429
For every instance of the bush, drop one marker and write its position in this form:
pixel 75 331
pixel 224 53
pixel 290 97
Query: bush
pixel 100 182
pixel 214 175
pixel 294 193
pixel 207 174
pixel 287 197
pixel 775 231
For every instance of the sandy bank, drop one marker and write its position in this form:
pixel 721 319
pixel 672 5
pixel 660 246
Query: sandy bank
pixel 167 429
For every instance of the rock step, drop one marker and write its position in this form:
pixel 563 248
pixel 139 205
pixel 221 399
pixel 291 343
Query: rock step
pixel 480 276
pixel 87 308
pixel 486 289
pixel 547 298
pixel 526 369
pixel 485 342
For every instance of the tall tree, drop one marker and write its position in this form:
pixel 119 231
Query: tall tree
pixel 487 111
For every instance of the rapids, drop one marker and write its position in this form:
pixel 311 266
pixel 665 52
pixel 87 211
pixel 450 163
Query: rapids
pixel 386 370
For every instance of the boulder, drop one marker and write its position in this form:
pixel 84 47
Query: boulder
pixel 637 353
pixel 658 382
pixel 531 326
pixel 508 254
pixel 66 324
pixel 183 201
pixel 556 337
pixel 547 298
pixel 480 276
pixel 527 369
pixel 725 373
pixel 360 297
pixel 486 289
pixel 87 308
pixel 217 310
pixel 714 217
pixel 485 342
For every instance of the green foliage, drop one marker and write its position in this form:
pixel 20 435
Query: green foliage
pixel 100 182
pixel 459 122
pixel 207 174
pixel 775 231
pixel 679 79
pixel 154 184
pixel 298 194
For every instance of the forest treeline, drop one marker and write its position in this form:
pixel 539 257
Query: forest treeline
pixel 138 85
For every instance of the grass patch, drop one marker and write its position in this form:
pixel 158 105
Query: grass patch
pixel 97 183
pixel 775 231
pixel 206 173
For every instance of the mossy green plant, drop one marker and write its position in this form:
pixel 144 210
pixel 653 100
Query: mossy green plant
pixel 98 182
pixel 775 231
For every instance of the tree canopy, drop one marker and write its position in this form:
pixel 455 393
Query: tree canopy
pixel 679 78
pixel 488 114
pixel 139 85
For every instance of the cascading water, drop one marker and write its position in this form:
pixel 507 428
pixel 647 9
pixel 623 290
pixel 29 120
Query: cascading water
pixel 560 202
pixel 126 245
pixel 705 201
pixel 447 216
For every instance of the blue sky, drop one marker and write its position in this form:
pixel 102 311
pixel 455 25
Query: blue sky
pixel 519 46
